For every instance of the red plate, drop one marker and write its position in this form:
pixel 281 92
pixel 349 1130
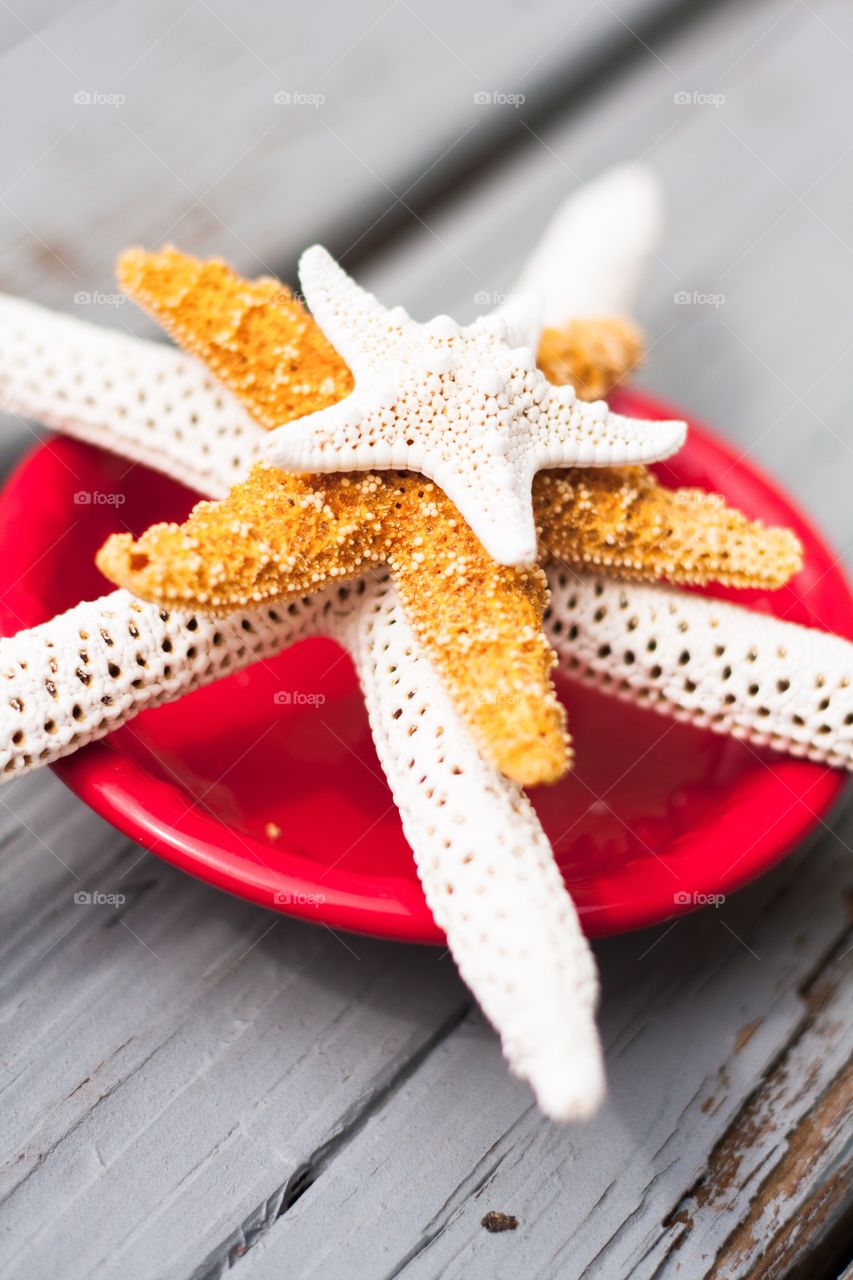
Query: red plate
pixel 187 782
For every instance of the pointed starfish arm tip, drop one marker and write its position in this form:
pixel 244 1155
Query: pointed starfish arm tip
pixel 319 441
pixel 569 1094
pixel 589 435
pixel 509 537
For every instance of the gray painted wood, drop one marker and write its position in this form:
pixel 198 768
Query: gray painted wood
pixel 169 1091
pixel 788 1157
pixel 178 1059
pixel 693 1019
pixel 173 91
pixel 196 83
pixel 772 366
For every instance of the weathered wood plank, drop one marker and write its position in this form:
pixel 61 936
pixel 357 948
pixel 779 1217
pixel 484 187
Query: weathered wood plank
pixel 772 365
pixel 176 1059
pixel 792 1143
pixel 691 357
pixel 693 1019
pixel 196 1123
pixel 197 149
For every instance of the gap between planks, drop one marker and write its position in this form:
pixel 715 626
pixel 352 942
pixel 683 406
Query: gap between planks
pixel 466 165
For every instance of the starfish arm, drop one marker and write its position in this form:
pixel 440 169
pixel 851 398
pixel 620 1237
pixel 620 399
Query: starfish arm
pixel 716 665
pixel 487 871
pixel 591 257
pixel 256 338
pixel 624 522
pixel 591 355
pixel 496 501
pixel 481 623
pixel 573 433
pixel 336 439
pixel 491 493
pixel 136 398
pixel 353 320
pixel 85 673
pixel 522 317
pixel 277 536
pixel 274 537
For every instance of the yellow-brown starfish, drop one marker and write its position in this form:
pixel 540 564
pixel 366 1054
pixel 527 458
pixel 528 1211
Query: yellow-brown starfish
pixel 592 355
pixel 252 334
pixel 278 535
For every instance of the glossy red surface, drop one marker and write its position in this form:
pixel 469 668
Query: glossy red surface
pixel 653 809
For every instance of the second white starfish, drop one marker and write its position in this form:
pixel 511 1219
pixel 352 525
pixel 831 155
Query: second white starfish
pixel 467 407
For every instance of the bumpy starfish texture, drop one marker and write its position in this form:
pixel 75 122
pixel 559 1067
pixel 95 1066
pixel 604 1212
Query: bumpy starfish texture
pixel 509 921
pixel 470 828
pixel 136 398
pixel 714 664
pixel 592 355
pixel 278 536
pixel 621 519
pixel 84 674
pixel 263 345
pixel 148 402
pixel 81 675
pixel 477 841
pixel 466 407
pixel 480 623
pixel 253 335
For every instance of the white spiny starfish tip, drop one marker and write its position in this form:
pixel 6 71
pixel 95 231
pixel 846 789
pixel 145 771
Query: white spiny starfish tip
pixel 596 246
pixel 465 406
pixel 522 315
pixel 317 266
pixel 569 1081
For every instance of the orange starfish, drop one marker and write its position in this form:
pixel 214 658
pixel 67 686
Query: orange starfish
pixel 277 535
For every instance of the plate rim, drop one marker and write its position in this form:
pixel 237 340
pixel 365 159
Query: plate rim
pixel 116 787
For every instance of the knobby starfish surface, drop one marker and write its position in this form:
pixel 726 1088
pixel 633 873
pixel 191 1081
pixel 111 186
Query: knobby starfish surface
pixel 277 536
pixel 509 922
pixel 467 407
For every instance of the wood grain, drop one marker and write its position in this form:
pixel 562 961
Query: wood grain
pixel 199 151
pixel 189 1083
pixel 181 1056
pixel 695 1021
pixel 755 192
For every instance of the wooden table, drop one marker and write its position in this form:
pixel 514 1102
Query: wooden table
pixel 190 1083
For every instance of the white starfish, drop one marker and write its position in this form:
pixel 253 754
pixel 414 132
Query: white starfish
pixel 143 400
pixel 590 257
pixel 465 406
pixel 509 921
pixel 715 665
